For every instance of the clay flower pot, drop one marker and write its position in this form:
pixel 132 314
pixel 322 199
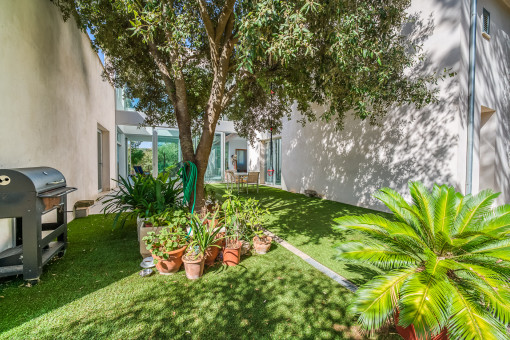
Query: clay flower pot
pixel 232 256
pixel 172 264
pixel 194 268
pixel 409 333
pixel 262 245
pixel 212 253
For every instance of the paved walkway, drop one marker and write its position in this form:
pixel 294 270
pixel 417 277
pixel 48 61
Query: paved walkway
pixel 338 278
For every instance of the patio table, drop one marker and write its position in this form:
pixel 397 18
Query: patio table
pixel 239 177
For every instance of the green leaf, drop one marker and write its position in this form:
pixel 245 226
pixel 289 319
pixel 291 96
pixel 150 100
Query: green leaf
pixel 425 299
pixel 470 320
pixel 376 301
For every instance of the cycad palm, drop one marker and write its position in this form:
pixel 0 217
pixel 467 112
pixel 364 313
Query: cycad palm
pixel 447 263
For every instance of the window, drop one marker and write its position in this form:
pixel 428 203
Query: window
pixel 486 22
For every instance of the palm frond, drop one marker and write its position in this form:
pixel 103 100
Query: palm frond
pixel 444 214
pixel 376 301
pixel 372 224
pixel 492 287
pixel 496 248
pixel 473 210
pixel 496 265
pixel 375 254
pixel 396 234
pixel 400 208
pixel 425 298
pixel 470 320
pixel 424 201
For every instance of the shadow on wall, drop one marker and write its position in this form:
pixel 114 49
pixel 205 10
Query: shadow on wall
pixel 493 91
pixel 351 165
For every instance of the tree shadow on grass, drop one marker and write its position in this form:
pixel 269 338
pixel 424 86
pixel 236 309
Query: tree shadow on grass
pixel 271 296
pixel 97 256
pixel 313 219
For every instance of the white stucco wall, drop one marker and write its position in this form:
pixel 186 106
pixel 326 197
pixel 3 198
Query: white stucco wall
pixel 492 88
pixel 53 97
pixel 350 165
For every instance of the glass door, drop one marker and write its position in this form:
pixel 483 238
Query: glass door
pixel 242 161
pixel 274 163
pixel 99 160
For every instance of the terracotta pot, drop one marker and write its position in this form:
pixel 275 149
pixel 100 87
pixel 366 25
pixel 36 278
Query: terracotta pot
pixel 408 333
pixel 194 268
pixel 232 256
pixel 172 264
pixel 212 225
pixel 212 253
pixel 262 246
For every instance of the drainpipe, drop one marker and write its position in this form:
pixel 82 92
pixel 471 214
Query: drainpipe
pixel 471 98
pixel 154 152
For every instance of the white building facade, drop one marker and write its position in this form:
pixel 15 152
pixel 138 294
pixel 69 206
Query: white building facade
pixel 428 145
pixel 57 111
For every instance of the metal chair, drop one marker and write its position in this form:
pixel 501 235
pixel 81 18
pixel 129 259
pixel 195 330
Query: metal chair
pixel 253 178
pixel 229 179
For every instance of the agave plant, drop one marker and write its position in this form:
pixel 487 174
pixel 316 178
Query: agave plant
pixel 446 259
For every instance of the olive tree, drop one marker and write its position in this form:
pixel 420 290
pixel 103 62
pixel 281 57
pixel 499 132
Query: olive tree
pixel 191 61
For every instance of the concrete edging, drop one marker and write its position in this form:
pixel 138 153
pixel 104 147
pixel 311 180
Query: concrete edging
pixel 325 270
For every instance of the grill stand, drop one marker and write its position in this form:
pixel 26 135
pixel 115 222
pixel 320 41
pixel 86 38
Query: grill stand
pixel 37 248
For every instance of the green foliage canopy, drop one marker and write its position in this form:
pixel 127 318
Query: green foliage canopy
pixel 223 56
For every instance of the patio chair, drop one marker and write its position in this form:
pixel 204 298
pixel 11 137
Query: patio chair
pixel 253 178
pixel 229 178
pixel 139 170
pixel 232 180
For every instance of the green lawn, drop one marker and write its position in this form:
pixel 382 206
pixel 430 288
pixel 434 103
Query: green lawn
pixel 94 291
pixel 308 224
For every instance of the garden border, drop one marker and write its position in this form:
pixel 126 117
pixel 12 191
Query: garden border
pixel 322 268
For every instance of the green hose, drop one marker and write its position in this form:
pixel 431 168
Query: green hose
pixel 189 182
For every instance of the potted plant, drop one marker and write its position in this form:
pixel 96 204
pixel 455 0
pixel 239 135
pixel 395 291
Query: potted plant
pixel 210 199
pixel 175 218
pixel 234 229
pixel 446 264
pixel 203 238
pixel 213 224
pixel 142 197
pixel 262 243
pixel 167 246
pixel 253 219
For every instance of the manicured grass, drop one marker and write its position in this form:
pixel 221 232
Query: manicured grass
pixel 95 291
pixel 308 224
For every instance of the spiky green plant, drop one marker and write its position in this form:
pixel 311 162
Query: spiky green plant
pixel 446 262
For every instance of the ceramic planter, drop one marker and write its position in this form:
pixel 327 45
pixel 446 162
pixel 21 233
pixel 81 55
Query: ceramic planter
pixel 408 333
pixel 232 256
pixel 262 246
pixel 142 232
pixel 194 268
pixel 172 264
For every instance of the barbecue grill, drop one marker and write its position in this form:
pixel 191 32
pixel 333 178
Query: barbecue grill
pixel 25 196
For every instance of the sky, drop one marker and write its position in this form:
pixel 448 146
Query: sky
pixel 100 53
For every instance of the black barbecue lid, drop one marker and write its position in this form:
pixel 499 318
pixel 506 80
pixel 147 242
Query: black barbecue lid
pixel 38 179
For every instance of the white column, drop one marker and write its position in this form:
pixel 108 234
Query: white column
pixel 154 152
pixel 222 156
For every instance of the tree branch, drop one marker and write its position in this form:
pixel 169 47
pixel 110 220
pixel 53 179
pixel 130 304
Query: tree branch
pixel 227 97
pixel 163 68
pixel 224 18
pixel 206 19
